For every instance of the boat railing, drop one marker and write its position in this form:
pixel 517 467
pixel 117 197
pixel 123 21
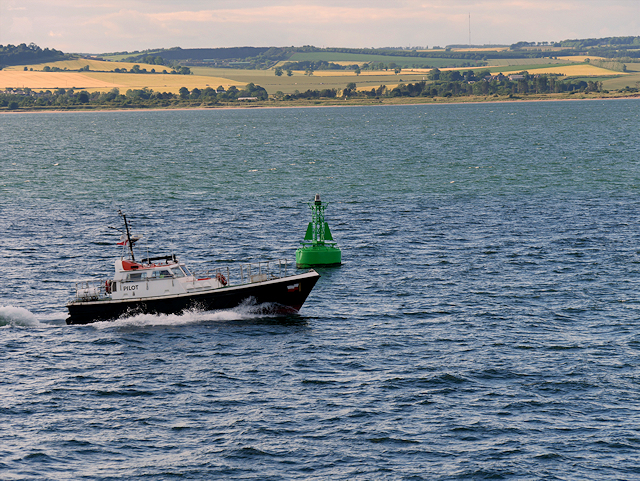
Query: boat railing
pixel 93 290
pixel 248 273
pixel 223 274
pixel 263 271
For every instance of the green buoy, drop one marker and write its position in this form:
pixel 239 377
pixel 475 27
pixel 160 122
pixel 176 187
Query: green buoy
pixel 318 248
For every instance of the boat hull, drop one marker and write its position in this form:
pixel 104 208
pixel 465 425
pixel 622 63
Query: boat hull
pixel 286 294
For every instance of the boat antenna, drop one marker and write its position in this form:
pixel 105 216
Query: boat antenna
pixel 126 225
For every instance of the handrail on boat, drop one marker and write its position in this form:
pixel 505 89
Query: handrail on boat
pixel 249 273
pixel 265 271
pixel 92 290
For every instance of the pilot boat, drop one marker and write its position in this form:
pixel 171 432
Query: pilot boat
pixel 165 285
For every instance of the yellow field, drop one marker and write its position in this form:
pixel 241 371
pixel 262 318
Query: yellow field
pixel 52 80
pixel 581 58
pixel 570 71
pixel 203 77
pixel 105 81
pixel 345 73
pixel 98 65
pixel 545 48
pixel 163 82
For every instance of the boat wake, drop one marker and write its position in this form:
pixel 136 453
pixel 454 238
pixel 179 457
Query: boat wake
pixel 243 312
pixel 18 316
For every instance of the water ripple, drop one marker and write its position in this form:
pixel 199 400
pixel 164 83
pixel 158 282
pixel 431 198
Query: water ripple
pixel 484 324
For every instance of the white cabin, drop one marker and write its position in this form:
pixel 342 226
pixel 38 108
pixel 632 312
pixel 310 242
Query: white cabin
pixel 136 280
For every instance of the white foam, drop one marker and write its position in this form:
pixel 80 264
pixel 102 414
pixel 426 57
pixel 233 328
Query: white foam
pixel 194 316
pixel 18 316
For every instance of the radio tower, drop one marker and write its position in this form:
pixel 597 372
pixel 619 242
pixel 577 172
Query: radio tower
pixel 469 29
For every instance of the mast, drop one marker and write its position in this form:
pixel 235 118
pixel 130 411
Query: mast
pixel 317 219
pixel 126 225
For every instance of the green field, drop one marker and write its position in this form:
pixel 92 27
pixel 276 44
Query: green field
pixel 356 58
pixel 631 80
pixel 119 58
pixel 298 81
pixel 339 79
pixel 322 79
pixel 527 61
pixel 526 66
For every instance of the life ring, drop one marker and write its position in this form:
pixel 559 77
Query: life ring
pixel 107 287
pixel 221 279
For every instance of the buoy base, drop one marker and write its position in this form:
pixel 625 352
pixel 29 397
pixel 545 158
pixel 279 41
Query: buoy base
pixel 318 256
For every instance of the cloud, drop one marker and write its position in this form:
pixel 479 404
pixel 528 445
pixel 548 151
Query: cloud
pixel 307 14
pixel 21 26
pixel 111 25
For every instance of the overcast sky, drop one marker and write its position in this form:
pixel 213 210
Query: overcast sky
pixel 90 26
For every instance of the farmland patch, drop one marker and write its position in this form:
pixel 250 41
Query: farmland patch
pixel 355 58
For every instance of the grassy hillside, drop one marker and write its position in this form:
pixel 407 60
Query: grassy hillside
pixel 101 77
pixel 568 70
pixel 352 58
pixel 530 61
pixel 105 81
pixel 95 65
pixel 320 80
pixel 630 79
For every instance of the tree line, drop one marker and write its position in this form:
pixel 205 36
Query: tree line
pixel 456 84
pixel 25 54
pixel 135 69
pixel 595 42
pixel 457 88
pixel 441 84
pixel 316 65
pixel 75 99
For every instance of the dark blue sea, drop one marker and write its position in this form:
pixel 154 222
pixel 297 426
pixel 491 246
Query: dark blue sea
pixel 485 323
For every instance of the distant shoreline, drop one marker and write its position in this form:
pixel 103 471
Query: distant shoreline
pixel 343 103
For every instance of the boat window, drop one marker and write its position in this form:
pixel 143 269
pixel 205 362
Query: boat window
pixel 136 276
pixel 186 271
pixel 161 274
pixel 177 272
